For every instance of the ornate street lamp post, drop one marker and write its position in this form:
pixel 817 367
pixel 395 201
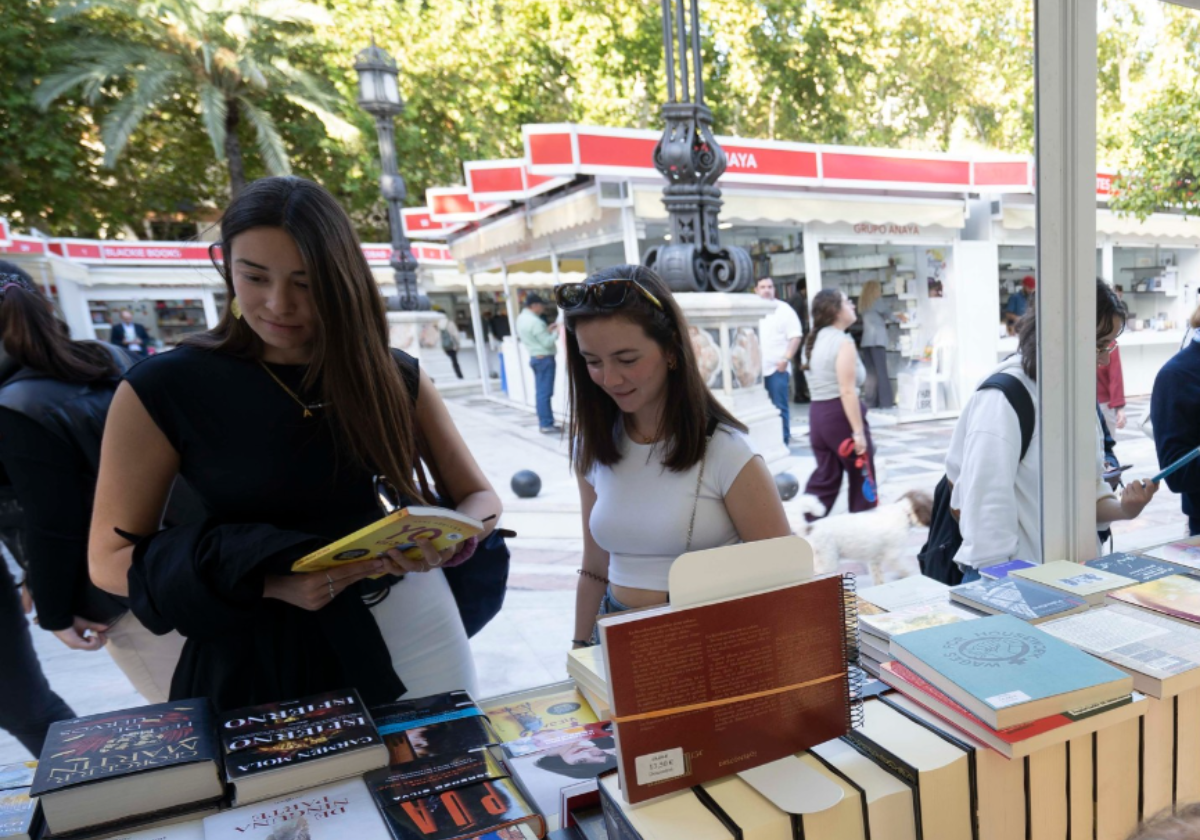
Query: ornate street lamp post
pixel 690 159
pixel 379 96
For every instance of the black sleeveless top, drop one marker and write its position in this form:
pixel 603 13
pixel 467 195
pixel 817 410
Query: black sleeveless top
pixel 246 448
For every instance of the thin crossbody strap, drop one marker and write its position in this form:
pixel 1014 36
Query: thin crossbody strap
pixel 712 428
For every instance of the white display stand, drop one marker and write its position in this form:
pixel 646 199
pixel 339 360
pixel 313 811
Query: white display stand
pixel 416 333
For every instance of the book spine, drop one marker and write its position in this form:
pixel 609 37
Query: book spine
pixel 616 824
pixel 854 677
pixel 714 808
pixel 902 770
pixel 862 794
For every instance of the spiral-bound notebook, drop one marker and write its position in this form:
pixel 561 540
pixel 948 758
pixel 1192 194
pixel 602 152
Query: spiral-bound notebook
pixel 701 692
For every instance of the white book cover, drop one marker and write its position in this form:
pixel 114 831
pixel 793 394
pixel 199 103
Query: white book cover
pixel 341 811
pixel 912 591
pixel 1137 640
pixel 191 830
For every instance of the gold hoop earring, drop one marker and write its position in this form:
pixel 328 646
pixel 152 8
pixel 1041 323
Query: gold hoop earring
pixel 672 364
pixel 235 308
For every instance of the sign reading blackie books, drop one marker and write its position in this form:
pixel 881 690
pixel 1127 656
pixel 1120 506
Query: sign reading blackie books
pixel 705 691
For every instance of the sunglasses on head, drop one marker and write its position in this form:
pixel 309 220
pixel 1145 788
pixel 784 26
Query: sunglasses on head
pixel 605 294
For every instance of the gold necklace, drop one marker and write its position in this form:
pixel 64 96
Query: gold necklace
pixel 307 408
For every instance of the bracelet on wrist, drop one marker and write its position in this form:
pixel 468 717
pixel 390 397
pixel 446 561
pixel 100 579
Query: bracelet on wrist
pixel 592 575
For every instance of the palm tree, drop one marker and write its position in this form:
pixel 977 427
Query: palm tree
pixel 228 54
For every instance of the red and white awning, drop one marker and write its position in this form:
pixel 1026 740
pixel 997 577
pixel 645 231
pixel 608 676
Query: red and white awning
pixel 569 150
pixel 506 180
pixel 455 205
pixel 419 223
pixel 5 233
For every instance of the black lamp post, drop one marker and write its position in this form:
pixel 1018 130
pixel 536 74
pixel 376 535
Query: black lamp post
pixel 379 96
pixel 690 159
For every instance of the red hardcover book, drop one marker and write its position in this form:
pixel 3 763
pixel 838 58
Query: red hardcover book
pixel 1013 742
pixel 701 692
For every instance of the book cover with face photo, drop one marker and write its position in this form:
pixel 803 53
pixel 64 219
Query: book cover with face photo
pixel 543 775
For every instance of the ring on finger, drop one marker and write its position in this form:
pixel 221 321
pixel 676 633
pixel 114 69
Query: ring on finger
pixel 332 591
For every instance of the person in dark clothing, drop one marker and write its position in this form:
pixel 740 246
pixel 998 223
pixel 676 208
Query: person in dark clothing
pixel 130 336
pixel 279 419
pixel 1175 416
pixel 55 504
pixel 799 302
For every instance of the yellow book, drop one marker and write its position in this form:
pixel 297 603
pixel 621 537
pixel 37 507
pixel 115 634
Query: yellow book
pixel 551 707
pixel 400 530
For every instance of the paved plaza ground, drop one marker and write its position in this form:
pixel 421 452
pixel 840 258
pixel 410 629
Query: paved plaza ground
pixel 527 643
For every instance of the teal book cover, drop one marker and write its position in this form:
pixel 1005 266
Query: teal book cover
pixel 1002 661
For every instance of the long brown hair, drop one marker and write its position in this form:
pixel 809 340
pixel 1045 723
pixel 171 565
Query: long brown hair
pixel 825 308
pixel 368 402
pixel 871 292
pixel 1110 312
pixel 35 338
pixel 689 405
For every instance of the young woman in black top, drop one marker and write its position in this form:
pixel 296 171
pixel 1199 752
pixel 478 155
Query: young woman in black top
pixel 280 418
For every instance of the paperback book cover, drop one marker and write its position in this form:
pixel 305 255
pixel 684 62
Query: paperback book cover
pixel 84 750
pixel 18 813
pixel 557 706
pixel 271 736
pixel 1006 672
pixel 447 739
pixel 463 812
pixel 551 738
pixel 429 777
pixel 905 592
pixel 449 704
pixel 339 811
pixel 1088 583
pixel 441 526
pixel 1177 596
pixel 702 692
pixel 1023 599
pixel 543 775
pixel 1011 742
pixel 1157 651
pixel 886 625
pixel 1136 567
pixel 1183 553
pixel 19 775
pixel 999 570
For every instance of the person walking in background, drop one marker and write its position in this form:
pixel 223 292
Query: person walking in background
pixel 663 468
pixel 1175 417
pixel 450 344
pixel 542 343
pixel 130 335
pixel 837 419
pixel 799 304
pixel 1110 387
pixel 876 314
pixel 995 471
pixel 780 337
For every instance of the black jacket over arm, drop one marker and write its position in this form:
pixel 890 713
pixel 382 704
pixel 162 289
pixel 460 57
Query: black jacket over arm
pixel 206 581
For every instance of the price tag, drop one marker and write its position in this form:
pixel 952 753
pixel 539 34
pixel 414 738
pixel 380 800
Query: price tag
pixel 660 766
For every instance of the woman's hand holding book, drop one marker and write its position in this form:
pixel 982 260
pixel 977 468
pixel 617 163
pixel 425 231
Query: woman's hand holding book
pixel 315 590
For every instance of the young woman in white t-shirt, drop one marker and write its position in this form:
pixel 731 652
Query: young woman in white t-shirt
pixel 663 468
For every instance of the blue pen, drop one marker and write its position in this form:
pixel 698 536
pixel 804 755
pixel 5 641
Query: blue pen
pixel 1178 465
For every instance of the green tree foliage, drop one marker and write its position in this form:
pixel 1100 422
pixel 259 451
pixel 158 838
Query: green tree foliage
pixel 227 55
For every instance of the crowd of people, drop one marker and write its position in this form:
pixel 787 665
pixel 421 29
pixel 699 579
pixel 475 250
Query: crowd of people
pixel 166 498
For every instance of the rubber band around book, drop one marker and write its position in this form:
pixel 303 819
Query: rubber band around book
pixel 695 707
pixel 854 674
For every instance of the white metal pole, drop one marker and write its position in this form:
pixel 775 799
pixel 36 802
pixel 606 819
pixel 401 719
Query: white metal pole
pixel 1065 131
pixel 481 349
pixel 510 304
pixel 633 254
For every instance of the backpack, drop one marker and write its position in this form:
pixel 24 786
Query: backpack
pixel 937 555
pixel 448 342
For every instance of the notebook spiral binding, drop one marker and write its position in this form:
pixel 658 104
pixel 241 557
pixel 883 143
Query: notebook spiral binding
pixel 854 674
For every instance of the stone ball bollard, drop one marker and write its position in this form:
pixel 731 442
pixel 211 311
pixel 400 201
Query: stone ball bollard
pixel 787 485
pixel 526 484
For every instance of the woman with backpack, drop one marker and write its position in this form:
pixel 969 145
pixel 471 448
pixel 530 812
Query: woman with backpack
pixel 450 344
pixel 993 467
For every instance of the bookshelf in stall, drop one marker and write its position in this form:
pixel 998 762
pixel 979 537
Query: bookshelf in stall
pixel 178 318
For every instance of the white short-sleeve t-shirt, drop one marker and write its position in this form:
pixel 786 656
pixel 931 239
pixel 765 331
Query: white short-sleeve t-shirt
pixel 643 509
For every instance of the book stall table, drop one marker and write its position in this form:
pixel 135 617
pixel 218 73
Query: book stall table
pixel 982 725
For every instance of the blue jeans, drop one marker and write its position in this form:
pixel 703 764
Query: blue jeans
pixel 608 605
pixel 543 380
pixel 777 389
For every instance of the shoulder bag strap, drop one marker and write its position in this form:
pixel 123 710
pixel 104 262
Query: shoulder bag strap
pixel 1018 397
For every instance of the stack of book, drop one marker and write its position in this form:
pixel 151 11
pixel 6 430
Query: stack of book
pixel 586 667
pixel 277 748
pixel 121 770
pixel 20 818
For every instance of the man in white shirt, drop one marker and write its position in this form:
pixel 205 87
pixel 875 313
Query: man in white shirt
pixel 779 333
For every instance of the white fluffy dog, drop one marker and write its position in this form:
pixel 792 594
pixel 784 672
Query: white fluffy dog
pixel 875 537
